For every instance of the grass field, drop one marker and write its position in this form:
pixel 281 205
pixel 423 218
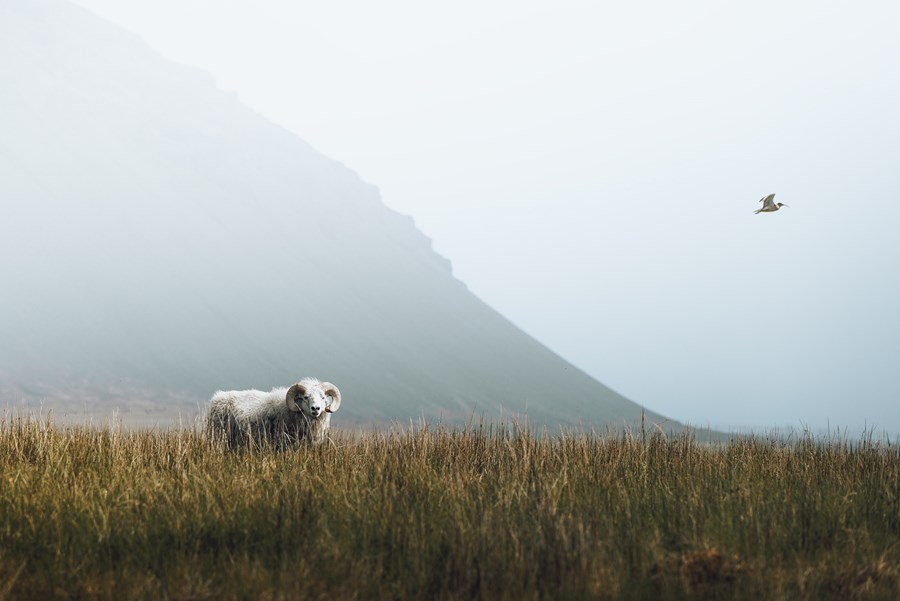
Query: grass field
pixel 480 513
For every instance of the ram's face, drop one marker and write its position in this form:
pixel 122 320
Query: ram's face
pixel 314 402
pixel 313 399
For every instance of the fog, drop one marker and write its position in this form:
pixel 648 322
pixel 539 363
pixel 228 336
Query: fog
pixel 591 171
pixel 161 241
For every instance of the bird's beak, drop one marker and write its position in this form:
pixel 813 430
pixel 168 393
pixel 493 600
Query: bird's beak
pixel 788 206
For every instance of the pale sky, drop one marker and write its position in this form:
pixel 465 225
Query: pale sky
pixel 591 169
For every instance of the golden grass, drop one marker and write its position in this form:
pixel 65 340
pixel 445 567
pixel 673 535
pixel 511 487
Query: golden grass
pixel 477 513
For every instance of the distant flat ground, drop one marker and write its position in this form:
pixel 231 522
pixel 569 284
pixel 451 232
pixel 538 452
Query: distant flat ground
pixel 146 414
pixel 140 414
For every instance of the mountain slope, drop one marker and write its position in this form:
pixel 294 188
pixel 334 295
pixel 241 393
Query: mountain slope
pixel 161 241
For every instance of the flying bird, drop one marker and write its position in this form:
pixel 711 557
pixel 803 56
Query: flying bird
pixel 769 204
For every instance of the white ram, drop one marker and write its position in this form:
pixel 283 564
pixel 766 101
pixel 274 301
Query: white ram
pixel 283 417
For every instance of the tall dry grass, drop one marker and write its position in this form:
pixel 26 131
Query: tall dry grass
pixel 478 513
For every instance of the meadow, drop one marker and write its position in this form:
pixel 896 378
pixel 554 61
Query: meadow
pixel 484 512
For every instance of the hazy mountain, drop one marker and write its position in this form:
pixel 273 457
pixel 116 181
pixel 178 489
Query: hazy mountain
pixel 160 241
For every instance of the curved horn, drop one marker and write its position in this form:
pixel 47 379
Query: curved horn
pixel 293 395
pixel 335 394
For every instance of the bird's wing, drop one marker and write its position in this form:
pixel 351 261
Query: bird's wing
pixel 768 201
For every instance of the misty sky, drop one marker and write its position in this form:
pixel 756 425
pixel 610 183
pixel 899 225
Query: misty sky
pixel 591 169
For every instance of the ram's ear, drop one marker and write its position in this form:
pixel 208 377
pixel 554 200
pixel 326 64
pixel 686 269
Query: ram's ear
pixel 334 394
pixel 294 394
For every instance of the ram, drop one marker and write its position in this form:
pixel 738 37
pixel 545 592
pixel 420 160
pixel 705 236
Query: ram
pixel 283 418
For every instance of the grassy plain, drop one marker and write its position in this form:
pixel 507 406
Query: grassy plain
pixel 477 513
